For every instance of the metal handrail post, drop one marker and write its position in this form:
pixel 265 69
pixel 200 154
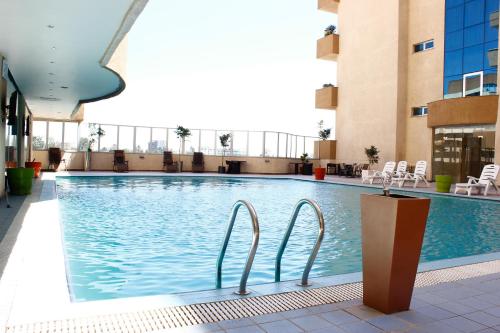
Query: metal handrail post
pixel 253 248
pixel 317 245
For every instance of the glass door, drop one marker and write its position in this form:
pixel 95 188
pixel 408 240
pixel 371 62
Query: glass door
pixel 473 84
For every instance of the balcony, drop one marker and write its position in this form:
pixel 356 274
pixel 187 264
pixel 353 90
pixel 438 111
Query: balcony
pixel 327 48
pixel 325 149
pixel 331 6
pixel 326 98
pixel 463 111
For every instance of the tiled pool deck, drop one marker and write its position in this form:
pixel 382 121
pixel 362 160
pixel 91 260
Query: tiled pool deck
pixel 33 288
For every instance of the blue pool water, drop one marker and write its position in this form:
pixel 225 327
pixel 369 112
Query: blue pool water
pixel 137 236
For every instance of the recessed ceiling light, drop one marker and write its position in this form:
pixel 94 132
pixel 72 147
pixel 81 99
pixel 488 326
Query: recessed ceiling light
pixel 64 87
pixel 53 47
pixel 52 62
pixel 50 26
pixel 50 89
pixel 51 73
pixel 50 82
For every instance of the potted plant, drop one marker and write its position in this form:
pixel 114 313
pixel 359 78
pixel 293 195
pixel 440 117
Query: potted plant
pixel 330 30
pixel 224 142
pixel 182 133
pixel 324 134
pixel 392 228
pixel 20 180
pixel 443 183
pixel 95 134
pixel 307 168
pixel 36 166
pixel 372 155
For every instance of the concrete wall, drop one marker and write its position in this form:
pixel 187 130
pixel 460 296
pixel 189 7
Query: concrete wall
pixel 425 74
pixel 3 96
pixel 154 162
pixel 371 78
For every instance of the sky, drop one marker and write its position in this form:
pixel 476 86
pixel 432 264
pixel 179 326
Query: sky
pixel 224 64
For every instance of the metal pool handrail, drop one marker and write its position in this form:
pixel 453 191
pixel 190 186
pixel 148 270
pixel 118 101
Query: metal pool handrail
pixel 317 245
pixel 251 254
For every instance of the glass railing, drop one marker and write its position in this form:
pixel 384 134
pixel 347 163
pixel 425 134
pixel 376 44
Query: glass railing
pixel 71 136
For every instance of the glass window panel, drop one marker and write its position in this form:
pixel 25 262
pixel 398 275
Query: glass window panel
pixel 472 85
pixel 192 142
pixel 70 136
pixel 255 144
pixel 292 145
pixel 239 143
pixel 271 144
pixel 55 134
pixel 159 141
pixel 474 12
pixel 208 142
pixel 454 40
pixel 453 63
pixel 142 139
pixel 310 146
pixel 491 28
pixel 453 86
pixel 453 3
pixel 419 47
pixel 282 145
pixel 473 58
pixel 491 55
pixel 300 146
pixel 474 35
pixel 454 19
pixel 83 144
pixel 39 135
pixel 174 143
pixel 108 140
pixel 491 6
pixel 490 83
pixel 429 44
pixel 127 138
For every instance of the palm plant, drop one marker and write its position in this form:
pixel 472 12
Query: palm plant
pixel 224 142
pixel 372 154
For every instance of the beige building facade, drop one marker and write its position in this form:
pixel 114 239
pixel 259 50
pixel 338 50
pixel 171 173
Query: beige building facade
pixel 416 79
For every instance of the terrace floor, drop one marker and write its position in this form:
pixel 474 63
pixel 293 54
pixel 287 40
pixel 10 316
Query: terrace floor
pixel 460 295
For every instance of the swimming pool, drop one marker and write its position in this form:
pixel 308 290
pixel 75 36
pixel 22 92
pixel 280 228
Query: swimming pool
pixel 137 236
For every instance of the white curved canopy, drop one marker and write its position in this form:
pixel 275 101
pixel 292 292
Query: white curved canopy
pixel 57 49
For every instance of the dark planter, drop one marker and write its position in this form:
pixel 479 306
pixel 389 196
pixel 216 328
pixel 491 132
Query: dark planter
pixel 443 183
pixel 221 169
pixel 392 234
pixel 20 180
pixel 36 166
pixel 307 169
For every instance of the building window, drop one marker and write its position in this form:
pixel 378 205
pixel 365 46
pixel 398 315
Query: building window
pixel 419 111
pixel 424 46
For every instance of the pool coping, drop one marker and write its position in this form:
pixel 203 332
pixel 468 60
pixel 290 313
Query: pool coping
pixel 12 308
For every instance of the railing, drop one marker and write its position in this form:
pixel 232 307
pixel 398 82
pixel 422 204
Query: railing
pixel 71 136
pixel 251 254
pixel 317 245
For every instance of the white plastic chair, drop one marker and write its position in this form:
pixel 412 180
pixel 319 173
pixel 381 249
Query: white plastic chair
pixel 387 171
pixel 487 179
pixel 417 176
pixel 400 172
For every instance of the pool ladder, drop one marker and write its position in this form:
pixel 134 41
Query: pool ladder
pixel 255 243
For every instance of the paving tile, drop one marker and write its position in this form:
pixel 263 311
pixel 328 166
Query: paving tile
pixel 364 312
pixel 456 308
pixel 435 327
pixel 463 324
pixel 210 327
pixel 349 304
pixel 458 293
pixel 483 318
pixel 281 326
pixel 227 324
pixel 490 298
pixel 435 312
pixel 360 327
pixel 488 330
pixel 339 317
pixel 414 317
pixel 312 322
pixel 296 313
pixel 417 303
pixel 431 299
pixel 330 329
pixel 476 303
pixel 494 311
pixel 267 318
pixel 389 323
pixel 323 308
pixel 246 329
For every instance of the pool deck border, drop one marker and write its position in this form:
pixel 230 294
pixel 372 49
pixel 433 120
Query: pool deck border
pixel 30 280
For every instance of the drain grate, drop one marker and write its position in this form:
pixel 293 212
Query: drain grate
pixel 204 313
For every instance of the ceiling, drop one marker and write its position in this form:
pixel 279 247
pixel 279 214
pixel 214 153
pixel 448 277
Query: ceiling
pixel 57 49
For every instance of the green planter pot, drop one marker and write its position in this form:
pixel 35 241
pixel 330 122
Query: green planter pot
pixel 443 183
pixel 20 180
